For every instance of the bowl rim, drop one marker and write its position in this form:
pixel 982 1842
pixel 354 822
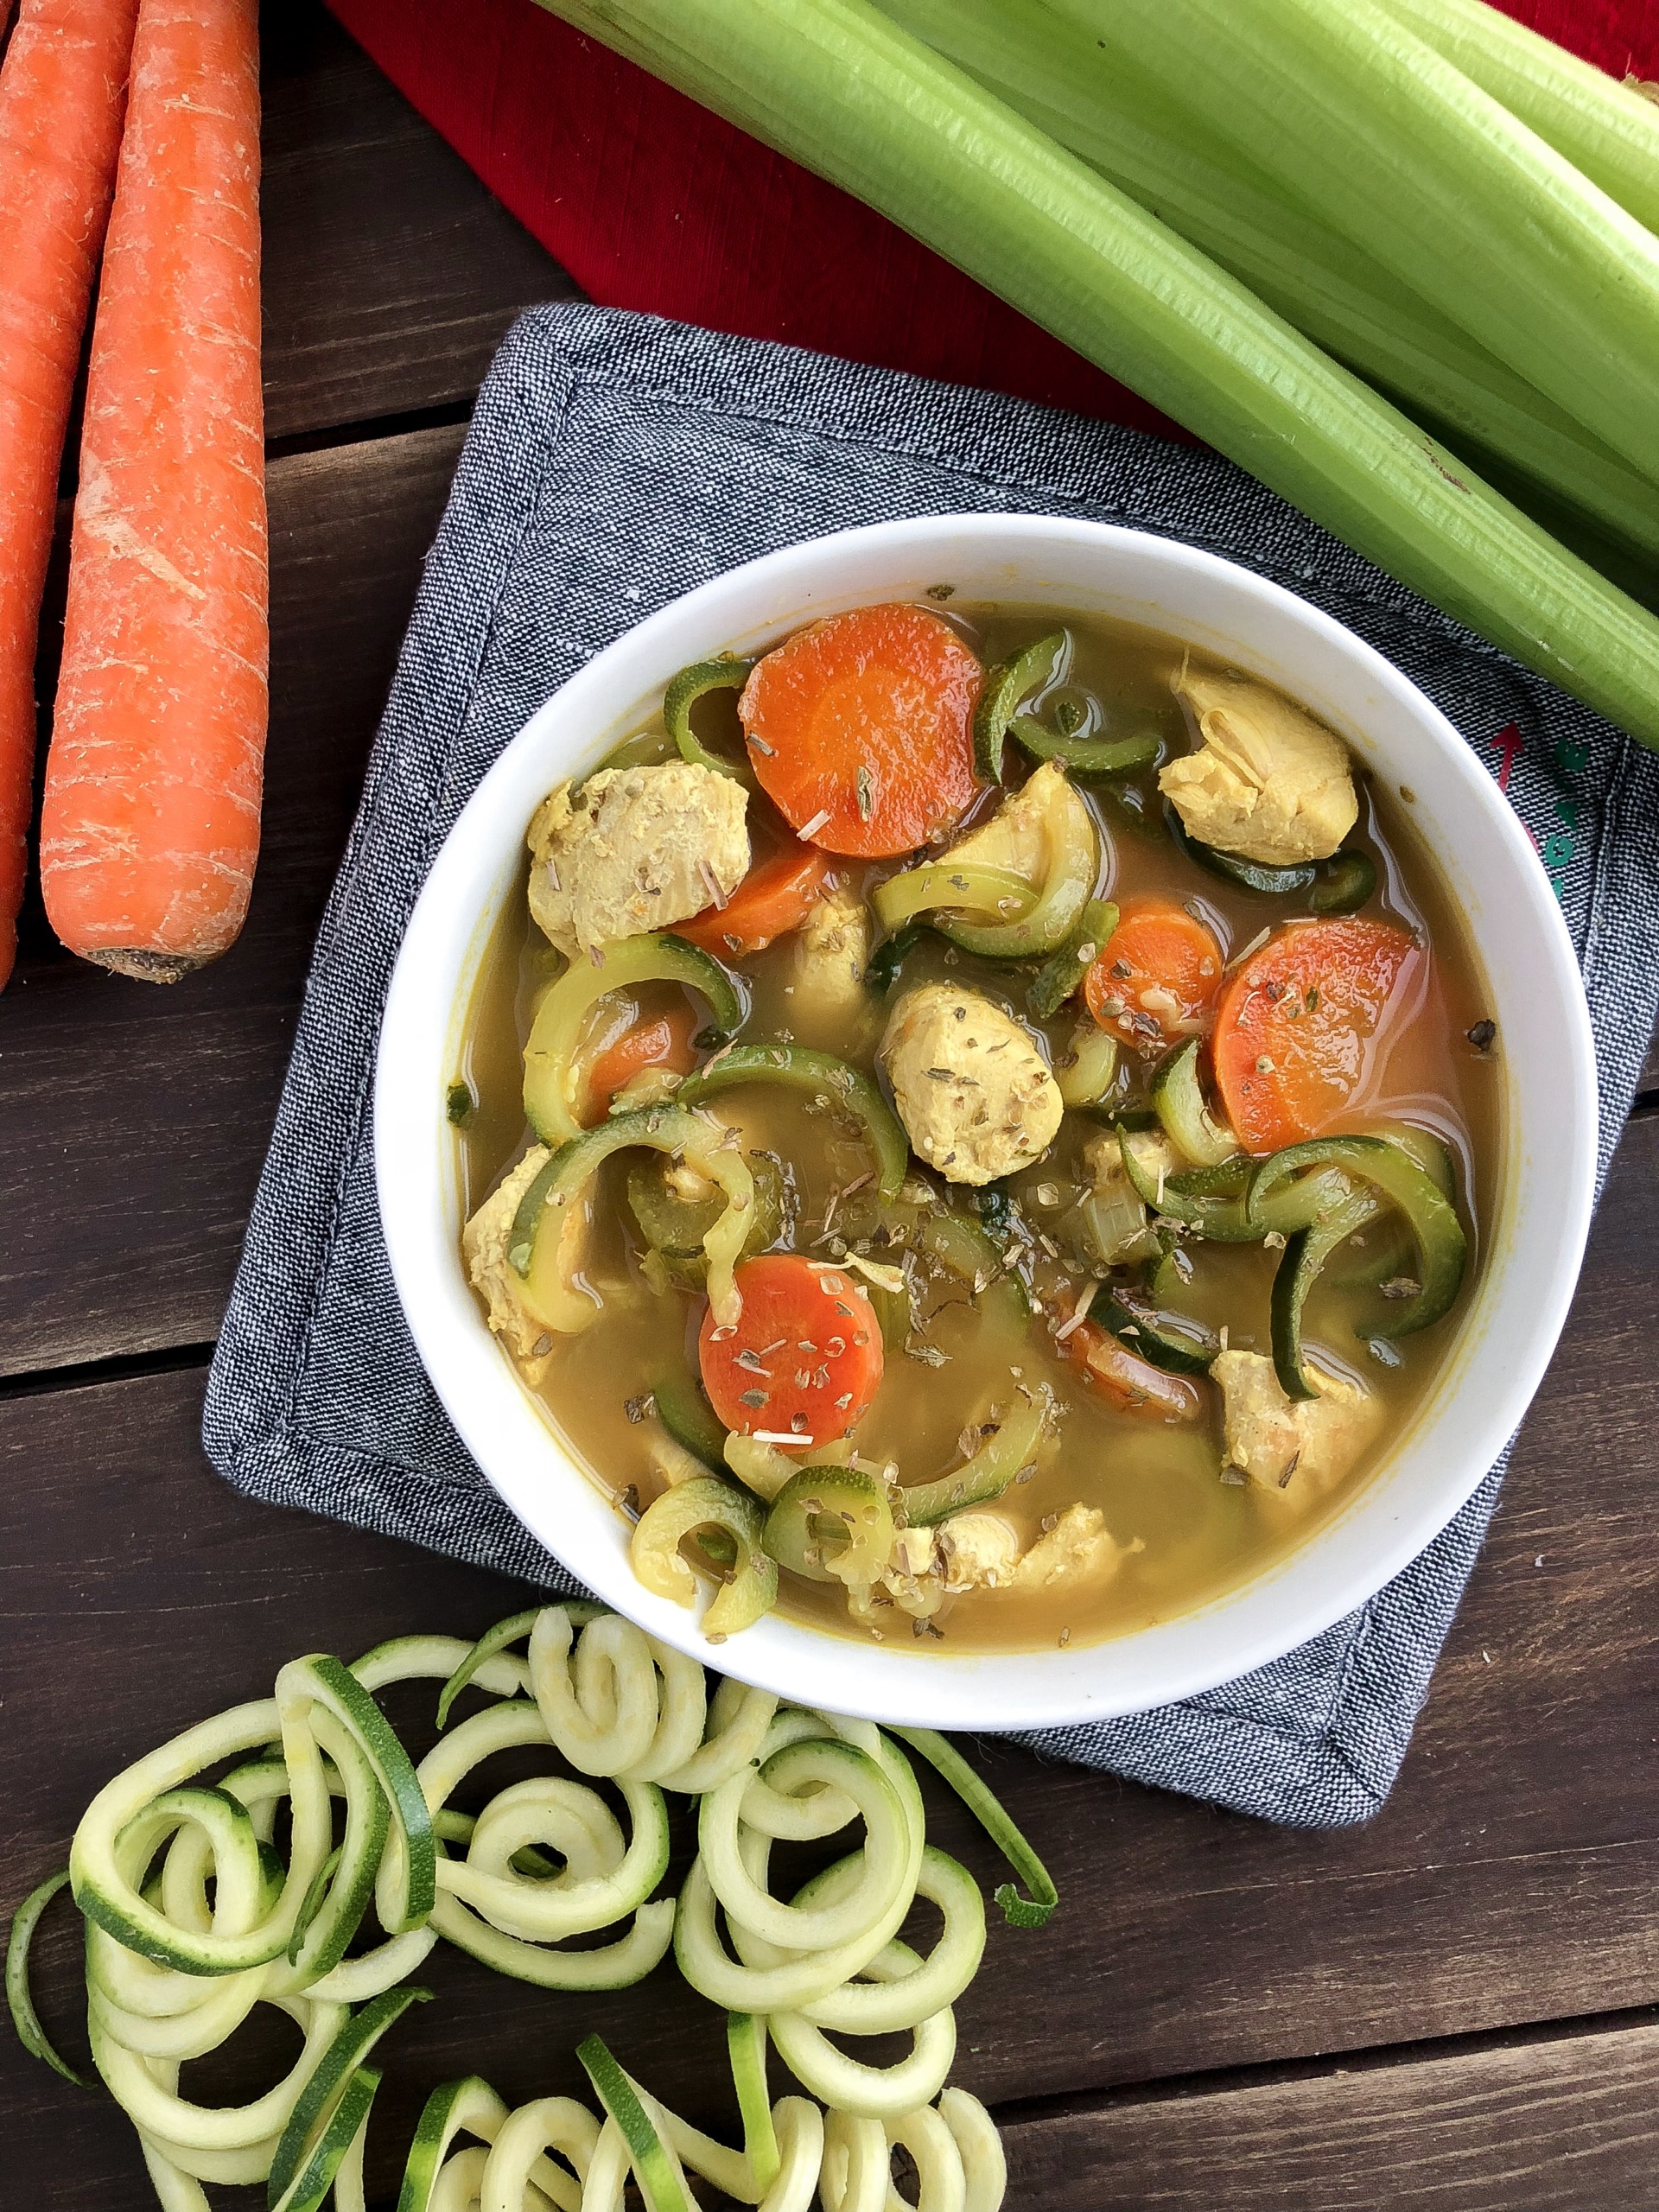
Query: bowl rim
pixel 514 1442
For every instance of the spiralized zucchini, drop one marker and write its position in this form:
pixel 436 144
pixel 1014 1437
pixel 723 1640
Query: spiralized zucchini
pixel 989 1471
pixel 843 2160
pixel 706 1505
pixel 194 1919
pixel 829 1082
pixel 536 1249
pixel 1005 685
pixel 1018 920
pixel 832 1524
pixel 555 1035
pixel 688 687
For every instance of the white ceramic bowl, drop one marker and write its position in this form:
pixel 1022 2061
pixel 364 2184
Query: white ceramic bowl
pixel 1548 1117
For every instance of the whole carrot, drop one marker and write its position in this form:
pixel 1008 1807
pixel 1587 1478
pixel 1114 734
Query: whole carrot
pixel 151 826
pixel 62 90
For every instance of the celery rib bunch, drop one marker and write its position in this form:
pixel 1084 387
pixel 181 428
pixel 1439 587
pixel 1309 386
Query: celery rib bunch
pixel 1325 235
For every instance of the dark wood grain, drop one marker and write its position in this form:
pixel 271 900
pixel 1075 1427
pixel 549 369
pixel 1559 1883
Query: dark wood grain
pixel 147 1110
pixel 391 272
pixel 1512 1877
pixel 1160 2044
pixel 1544 2128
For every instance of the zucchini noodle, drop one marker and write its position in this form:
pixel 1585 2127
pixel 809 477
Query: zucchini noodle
pixel 682 694
pixel 554 1046
pixel 195 1917
pixel 328 2088
pixel 553 1200
pixel 25 2019
pixel 844 2158
pixel 1005 685
pixel 826 1081
pixel 955 2148
pixel 341 2136
pixel 882 2092
pixel 884 1862
pixel 892 2000
pixel 712 1511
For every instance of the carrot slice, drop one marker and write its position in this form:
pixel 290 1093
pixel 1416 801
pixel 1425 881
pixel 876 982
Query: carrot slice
pixel 804 1360
pixel 1156 974
pixel 151 826
pixel 773 899
pixel 1297 1024
pixel 658 1040
pixel 1131 1384
pixel 861 729
pixel 62 92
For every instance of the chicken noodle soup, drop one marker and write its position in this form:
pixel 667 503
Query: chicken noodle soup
pixel 977 1129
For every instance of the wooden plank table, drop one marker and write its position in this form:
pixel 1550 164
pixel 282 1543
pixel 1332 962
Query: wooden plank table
pixel 1451 2007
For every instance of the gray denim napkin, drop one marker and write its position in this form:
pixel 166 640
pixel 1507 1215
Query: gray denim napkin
pixel 614 463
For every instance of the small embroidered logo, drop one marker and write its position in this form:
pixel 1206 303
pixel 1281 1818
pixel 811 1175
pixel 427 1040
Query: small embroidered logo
pixel 1572 757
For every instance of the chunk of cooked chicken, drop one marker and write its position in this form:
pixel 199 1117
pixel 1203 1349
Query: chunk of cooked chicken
pixel 634 849
pixel 1079 1547
pixel 1293 1448
pixel 915 1551
pixel 1269 783
pixel 969 1551
pixel 1016 836
pixel 911 1581
pixel 973 1091
pixel 977 1551
pixel 484 1243
pixel 828 957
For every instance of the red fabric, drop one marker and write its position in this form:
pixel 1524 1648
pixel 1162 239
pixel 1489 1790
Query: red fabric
pixel 651 202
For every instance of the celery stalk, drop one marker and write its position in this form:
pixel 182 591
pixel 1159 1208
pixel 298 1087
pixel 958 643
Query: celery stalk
pixel 1372 130
pixel 1632 573
pixel 1600 125
pixel 1123 127
pixel 834 84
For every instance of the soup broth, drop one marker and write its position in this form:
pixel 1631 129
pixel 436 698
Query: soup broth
pixel 1183 1527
